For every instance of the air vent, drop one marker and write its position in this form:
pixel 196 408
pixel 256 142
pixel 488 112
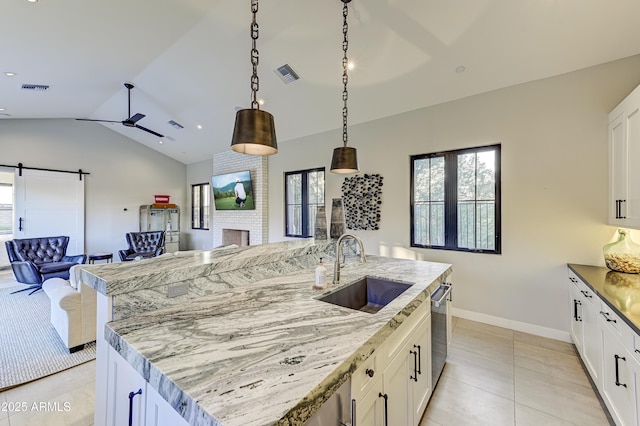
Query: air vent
pixel 176 124
pixel 287 74
pixel 37 87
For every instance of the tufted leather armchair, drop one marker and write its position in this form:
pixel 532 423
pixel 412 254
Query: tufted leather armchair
pixel 143 244
pixel 34 260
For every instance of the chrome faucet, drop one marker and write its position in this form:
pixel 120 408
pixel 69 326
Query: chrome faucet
pixel 336 266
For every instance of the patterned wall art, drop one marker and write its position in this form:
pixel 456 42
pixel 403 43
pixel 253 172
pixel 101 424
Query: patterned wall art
pixel 362 198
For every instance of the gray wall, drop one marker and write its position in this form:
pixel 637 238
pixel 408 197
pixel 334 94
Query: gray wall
pixel 554 187
pixel 123 174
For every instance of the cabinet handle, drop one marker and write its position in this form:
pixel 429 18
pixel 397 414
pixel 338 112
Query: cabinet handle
pixel 369 372
pixel 386 411
pixel 635 350
pixel 20 227
pixel 419 359
pixel 415 366
pixel 606 316
pixel 575 310
pixel 625 202
pixel 617 371
pixel 586 294
pixel 131 396
pixel 617 209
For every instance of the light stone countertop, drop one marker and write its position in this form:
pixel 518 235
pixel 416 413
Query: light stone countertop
pixel 268 352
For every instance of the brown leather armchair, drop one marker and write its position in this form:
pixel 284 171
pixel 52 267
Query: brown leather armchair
pixel 143 245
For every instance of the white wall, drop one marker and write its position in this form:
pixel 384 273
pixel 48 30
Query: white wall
pixel 123 173
pixel 198 239
pixel 554 187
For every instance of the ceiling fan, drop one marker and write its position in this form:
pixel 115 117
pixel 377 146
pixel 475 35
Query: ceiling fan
pixel 132 121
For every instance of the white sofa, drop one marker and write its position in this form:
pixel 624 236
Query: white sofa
pixel 73 310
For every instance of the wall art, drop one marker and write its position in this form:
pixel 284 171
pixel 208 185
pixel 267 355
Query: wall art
pixel 362 198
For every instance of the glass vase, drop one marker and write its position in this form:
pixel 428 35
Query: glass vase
pixel 622 255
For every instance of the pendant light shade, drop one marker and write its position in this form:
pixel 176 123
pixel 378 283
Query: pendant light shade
pixel 345 160
pixel 254 133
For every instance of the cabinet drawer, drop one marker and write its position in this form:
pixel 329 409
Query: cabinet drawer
pixel 394 344
pixel 611 320
pixel 366 376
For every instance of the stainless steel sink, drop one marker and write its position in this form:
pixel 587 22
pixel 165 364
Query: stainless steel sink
pixel 367 295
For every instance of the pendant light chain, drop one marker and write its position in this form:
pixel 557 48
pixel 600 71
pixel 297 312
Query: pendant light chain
pixel 255 81
pixel 345 76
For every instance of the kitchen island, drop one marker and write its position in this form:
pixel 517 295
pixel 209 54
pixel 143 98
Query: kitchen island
pixel 267 351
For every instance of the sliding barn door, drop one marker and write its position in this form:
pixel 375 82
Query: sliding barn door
pixel 48 204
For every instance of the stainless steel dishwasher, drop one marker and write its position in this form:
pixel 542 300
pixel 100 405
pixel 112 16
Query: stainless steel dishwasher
pixel 440 304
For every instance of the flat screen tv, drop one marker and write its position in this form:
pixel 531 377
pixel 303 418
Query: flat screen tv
pixel 233 191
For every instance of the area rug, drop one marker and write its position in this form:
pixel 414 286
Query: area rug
pixel 29 345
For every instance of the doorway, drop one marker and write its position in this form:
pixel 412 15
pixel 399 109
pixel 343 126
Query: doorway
pixel 6 214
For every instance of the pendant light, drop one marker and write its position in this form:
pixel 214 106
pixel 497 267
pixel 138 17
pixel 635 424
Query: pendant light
pixel 345 158
pixel 254 131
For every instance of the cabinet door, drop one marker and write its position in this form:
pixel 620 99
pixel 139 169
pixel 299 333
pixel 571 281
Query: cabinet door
pixel 576 317
pixel 124 384
pixel 617 170
pixel 421 388
pixel 398 407
pixel 591 337
pixel 618 388
pixel 624 149
pixel 370 408
pixel 158 412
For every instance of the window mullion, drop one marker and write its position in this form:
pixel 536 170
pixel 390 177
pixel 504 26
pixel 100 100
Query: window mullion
pixel 305 203
pixel 451 200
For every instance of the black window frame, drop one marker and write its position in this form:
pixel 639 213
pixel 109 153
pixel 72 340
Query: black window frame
pixel 307 228
pixel 202 189
pixel 451 199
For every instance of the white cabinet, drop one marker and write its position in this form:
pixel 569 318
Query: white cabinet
pixel 158 412
pixel 577 329
pixel 131 401
pixel 585 308
pixel 126 393
pixel 624 155
pixel 618 380
pixel 393 386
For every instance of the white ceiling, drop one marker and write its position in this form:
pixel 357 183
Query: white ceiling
pixel 189 59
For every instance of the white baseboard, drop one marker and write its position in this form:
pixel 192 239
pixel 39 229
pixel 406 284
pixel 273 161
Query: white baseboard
pixel 524 327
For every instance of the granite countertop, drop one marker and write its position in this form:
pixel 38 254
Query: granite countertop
pixel 114 279
pixel 619 290
pixel 269 352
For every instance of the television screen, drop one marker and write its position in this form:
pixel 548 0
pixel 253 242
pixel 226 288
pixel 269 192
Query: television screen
pixel 233 191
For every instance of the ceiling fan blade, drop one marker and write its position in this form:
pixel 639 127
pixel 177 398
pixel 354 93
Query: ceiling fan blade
pixel 150 131
pixel 102 121
pixel 137 117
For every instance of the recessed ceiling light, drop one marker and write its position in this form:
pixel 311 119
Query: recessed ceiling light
pixel 32 1
pixel 460 69
pixel 3 109
pixel 199 126
pixel 10 74
pixel 161 142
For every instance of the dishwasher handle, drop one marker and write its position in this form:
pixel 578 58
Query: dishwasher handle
pixel 447 290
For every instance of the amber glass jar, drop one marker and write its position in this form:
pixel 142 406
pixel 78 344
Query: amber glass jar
pixel 622 255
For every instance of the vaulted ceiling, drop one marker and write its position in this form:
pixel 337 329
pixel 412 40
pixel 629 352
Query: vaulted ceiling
pixel 190 59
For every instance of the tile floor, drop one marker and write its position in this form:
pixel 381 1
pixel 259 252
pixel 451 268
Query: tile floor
pixel 493 376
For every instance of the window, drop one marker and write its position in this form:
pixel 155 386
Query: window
pixel 200 201
pixel 455 200
pixel 304 193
